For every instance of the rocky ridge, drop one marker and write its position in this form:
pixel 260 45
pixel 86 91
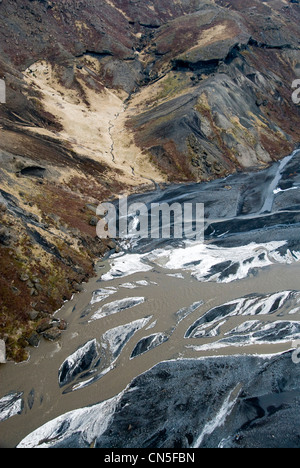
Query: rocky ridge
pixel 102 99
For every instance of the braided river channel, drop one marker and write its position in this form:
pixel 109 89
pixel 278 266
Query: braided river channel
pixel 178 343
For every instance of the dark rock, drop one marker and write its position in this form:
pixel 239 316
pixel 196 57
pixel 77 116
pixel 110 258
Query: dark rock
pixel 33 171
pixel 3 207
pixel 62 325
pixel 46 324
pixel 33 314
pixel 33 292
pixel 5 236
pixel 78 287
pixel 52 334
pixel 38 287
pixel 111 244
pixel 93 221
pixel 34 340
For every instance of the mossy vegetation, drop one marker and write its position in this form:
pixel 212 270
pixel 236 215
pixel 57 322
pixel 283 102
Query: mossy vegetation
pixel 42 265
pixel 172 85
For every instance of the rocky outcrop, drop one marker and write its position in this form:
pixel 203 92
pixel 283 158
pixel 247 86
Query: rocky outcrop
pixel 236 111
pixel 105 97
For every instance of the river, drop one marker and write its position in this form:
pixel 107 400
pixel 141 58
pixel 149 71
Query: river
pixel 160 309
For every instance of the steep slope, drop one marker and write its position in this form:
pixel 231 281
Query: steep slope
pixel 105 97
pixel 225 100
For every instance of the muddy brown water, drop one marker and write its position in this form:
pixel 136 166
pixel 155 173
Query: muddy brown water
pixel 39 376
pixel 164 296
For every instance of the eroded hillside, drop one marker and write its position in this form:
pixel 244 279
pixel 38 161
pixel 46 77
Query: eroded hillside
pixel 106 97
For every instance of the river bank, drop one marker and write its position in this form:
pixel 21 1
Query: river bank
pixel 161 312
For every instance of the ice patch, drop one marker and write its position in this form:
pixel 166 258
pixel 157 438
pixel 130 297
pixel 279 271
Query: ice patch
pixel 176 275
pixel 116 307
pixel 90 422
pixel 128 286
pixel 80 361
pixel 148 343
pixel 253 305
pixel 271 333
pixel 152 325
pixel 206 262
pixel 126 265
pixel 279 190
pixel 11 405
pixel 117 338
pixel 142 283
pixel 135 285
pixel 186 311
pixel 219 418
pixel 220 264
pixel 102 294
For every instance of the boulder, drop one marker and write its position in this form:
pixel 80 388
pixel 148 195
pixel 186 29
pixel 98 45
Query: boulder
pixel 93 221
pixel 34 340
pixel 45 325
pixel 52 334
